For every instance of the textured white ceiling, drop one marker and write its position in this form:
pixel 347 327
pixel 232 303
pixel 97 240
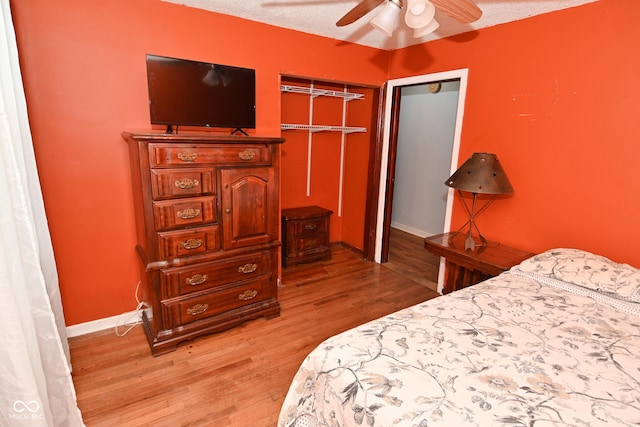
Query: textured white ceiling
pixel 319 17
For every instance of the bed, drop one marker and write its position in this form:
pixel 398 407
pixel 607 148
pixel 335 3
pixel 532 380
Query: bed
pixel 554 341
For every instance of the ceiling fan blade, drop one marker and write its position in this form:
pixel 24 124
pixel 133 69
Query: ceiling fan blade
pixel 361 9
pixel 464 11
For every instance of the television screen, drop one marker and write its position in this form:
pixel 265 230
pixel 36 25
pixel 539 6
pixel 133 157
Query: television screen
pixel 192 93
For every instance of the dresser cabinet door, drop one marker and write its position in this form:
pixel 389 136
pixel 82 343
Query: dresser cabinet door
pixel 249 210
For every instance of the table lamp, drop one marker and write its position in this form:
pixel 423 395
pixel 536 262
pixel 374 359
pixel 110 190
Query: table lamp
pixel 480 174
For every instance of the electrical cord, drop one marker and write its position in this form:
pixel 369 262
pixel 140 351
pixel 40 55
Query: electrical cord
pixel 131 321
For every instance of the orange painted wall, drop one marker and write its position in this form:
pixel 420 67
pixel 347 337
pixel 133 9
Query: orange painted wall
pixel 556 98
pixel 85 81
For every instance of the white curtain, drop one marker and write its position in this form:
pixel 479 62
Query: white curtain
pixel 36 388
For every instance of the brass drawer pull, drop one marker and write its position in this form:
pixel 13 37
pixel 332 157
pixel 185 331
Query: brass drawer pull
pixel 247 155
pixel 196 279
pixel 187 183
pixel 192 243
pixel 187 156
pixel 197 309
pixel 247 268
pixel 311 226
pixel 247 295
pixel 188 213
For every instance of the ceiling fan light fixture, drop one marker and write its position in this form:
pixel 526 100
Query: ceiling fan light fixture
pixel 386 20
pixel 419 13
pixel 426 30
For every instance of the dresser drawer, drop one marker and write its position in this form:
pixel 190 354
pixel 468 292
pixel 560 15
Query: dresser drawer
pixel 193 211
pixel 185 310
pixel 171 155
pixel 184 280
pixel 188 242
pixel 171 183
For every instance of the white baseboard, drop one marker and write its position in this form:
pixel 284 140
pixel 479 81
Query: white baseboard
pixel 101 324
pixel 412 230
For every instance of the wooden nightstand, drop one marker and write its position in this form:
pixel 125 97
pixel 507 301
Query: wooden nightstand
pixel 305 235
pixel 466 268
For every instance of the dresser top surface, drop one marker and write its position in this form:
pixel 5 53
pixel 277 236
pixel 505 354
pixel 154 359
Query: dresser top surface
pixel 200 138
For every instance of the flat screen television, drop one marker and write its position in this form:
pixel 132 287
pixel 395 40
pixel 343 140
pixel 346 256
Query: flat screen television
pixel 193 93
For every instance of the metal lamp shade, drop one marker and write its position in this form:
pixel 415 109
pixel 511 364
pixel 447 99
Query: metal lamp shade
pixel 481 174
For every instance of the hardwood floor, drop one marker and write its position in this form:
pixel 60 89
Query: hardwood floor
pixel 239 377
pixel 408 257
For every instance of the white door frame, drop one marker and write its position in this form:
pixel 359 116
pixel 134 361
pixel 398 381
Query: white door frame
pixel 461 74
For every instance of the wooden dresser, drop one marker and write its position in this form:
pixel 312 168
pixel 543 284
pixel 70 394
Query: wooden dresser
pixel 207 219
pixel 305 235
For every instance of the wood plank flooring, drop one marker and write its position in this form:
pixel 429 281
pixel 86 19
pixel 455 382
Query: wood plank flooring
pixel 408 257
pixel 239 377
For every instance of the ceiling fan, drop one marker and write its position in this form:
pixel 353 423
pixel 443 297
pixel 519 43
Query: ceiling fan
pixel 419 14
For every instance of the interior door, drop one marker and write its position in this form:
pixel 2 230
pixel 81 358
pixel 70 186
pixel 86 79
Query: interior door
pixel 391 170
pixel 382 223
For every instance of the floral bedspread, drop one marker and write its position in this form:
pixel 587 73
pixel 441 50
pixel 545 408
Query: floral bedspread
pixel 521 349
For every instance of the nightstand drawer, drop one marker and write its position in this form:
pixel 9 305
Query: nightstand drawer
pixel 311 226
pixel 310 243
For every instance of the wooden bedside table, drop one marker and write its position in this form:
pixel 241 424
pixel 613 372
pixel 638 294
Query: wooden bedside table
pixel 305 235
pixel 466 268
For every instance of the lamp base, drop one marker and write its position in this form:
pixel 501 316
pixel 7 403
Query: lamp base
pixel 470 243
